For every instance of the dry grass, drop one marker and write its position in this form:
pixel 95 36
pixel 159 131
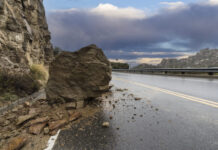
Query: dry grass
pixel 39 73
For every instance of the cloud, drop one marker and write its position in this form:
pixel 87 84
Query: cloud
pixel 174 5
pixel 110 10
pixel 153 61
pixel 167 34
pixel 213 2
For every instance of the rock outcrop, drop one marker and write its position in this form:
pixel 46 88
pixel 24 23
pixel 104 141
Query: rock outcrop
pixel 24 35
pixel 78 76
pixel 203 59
pixel 206 58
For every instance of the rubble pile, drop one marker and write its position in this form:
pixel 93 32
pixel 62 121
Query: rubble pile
pixel 28 121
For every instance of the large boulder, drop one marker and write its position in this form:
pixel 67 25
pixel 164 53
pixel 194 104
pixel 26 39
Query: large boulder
pixel 78 76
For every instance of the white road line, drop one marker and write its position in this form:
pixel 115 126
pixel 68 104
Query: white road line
pixel 52 141
pixel 181 95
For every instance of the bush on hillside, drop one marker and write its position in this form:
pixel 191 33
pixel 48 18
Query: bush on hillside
pixel 39 72
pixel 17 84
pixel 116 65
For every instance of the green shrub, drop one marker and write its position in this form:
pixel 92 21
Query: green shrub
pixel 117 65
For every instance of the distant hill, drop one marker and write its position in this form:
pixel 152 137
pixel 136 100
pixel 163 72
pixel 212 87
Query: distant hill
pixel 116 65
pixel 204 59
pixel 143 66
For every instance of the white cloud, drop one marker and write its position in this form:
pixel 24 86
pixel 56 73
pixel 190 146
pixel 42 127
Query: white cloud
pixel 118 60
pixel 109 10
pixel 153 61
pixel 174 5
pixel 213 2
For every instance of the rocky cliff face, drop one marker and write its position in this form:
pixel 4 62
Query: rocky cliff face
pixel 24 35
pixel 205 58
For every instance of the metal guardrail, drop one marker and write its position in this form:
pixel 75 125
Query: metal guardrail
pixel 209 71
pixel 31 98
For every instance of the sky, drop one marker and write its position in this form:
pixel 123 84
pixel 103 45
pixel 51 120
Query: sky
pixel 139 31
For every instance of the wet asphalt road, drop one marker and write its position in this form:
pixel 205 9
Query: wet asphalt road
pixel 174 113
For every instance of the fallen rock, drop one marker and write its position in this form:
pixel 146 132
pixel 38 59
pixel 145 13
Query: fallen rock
pixel 54 132
pixel 46 130
pixel 77 76
pixel 111 86
pixel 22 119
pixel 105 124
pixel 37 128
pixel 75 116
pixel 119 90
pixel 6 123
pixel 137 98
pixel 71 105
pixel 16 143
pixel 26 104
pixel 57 124
pixel 14 110
pixel 39 120
pixel 80 104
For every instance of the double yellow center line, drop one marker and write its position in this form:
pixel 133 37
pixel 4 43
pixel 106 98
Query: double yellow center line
pixel 187 97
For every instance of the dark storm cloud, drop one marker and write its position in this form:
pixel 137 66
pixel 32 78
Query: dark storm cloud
pixel 190 29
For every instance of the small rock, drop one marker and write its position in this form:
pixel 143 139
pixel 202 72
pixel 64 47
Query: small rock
pixel 22 119
pixel 131 95
pixel 80 104
pixel 6 135
pixel 2 120
pixel 39 120
pixel 57 124
pixel 54 132
pixel 105 124
pixel 114 106
pixel 60 115
pixel 75 116
pixel 71 105
pixel 26 104
pixel 16 143
pixel 156 109
pixel 20 106
pixel 32 110
pixel 15 110
pixel 137 98
pixel 6 123
pixel 119 90
pixel 37 128
pixel 46 130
